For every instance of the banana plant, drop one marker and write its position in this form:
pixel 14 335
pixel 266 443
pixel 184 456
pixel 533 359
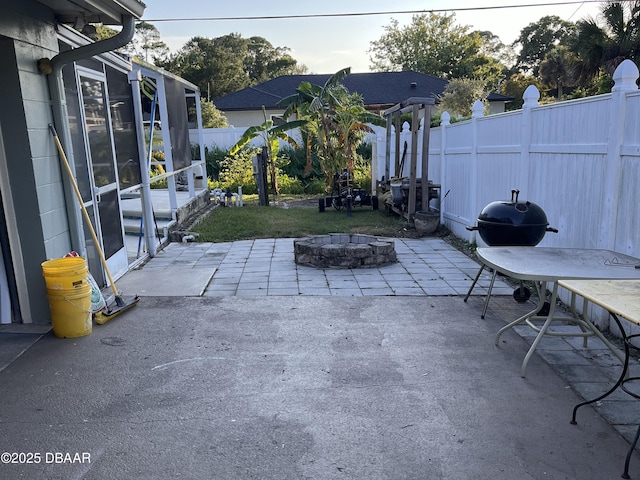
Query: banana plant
pixel 271 135
pixel 336 117
pixel 317 104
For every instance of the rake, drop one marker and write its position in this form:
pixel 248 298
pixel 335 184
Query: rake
pixel 119 305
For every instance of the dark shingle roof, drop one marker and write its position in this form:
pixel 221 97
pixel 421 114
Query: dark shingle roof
pixel 379 88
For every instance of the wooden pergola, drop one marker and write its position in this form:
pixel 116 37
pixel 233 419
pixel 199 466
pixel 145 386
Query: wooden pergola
pixel 393 117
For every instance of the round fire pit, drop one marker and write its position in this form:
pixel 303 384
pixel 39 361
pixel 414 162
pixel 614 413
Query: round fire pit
pixel 338 250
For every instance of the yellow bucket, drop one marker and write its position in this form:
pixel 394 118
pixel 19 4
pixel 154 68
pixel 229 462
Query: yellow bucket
pixel 66 273
pixel 70 311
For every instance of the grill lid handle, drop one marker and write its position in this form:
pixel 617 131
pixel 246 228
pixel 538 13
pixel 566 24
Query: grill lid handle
pixel 514 196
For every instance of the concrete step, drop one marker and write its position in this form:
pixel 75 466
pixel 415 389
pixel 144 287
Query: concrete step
pixel 135 212
pixel 132 225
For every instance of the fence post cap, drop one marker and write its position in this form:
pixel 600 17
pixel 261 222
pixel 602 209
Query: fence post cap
pixel 477 110
pixel 531 96
pixel 625 77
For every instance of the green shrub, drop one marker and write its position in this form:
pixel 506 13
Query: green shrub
pixel 290 185
pixel 365 150
pixel 316 187
pixel 213 184
pixel 214 156
pixel 362 173
pixel 294 165
pixel 225 172
pixel 236 171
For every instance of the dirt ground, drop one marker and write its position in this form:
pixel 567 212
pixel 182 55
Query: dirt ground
pixel 303 203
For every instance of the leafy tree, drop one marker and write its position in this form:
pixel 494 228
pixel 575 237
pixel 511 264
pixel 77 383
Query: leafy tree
pixel 505 55
pixel 263 61
pixel 146 43
pixel 556 70
pixel 229 63
pixel 539 38
pixel 460 94
pixel 211 116
pixel 604 47
pixel 214 65
pixel 435 45
pixel 515 86
pixel 493 47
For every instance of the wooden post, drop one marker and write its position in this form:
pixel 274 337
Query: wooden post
pixel 387 152
pixel 411 208
pixel 396 165
pixel 426 128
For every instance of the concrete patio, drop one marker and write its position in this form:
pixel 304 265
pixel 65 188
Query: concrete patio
pixel 318 383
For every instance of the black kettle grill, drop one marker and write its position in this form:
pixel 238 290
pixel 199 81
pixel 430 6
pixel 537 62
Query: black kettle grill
pixel 508 224
pixel 513 223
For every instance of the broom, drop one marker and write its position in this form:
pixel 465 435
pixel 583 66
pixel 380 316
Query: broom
pixel 120 305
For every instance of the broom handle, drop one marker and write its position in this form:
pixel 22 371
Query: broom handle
pixel 84 210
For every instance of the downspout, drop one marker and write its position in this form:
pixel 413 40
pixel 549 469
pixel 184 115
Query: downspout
pixel 60 114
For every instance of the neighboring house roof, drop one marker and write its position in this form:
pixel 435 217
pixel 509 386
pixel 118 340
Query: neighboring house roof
pixel 379 89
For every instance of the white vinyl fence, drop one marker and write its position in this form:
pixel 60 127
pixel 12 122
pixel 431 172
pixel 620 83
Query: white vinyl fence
pixel 225 138
pixel 579 160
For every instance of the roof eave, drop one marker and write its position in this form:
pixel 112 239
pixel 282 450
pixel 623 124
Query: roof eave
pixel 107 12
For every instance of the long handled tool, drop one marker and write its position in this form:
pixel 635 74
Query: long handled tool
pixel 121 305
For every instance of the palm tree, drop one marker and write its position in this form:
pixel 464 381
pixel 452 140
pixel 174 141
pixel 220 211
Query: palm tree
pixel 605 47
pixel 556 69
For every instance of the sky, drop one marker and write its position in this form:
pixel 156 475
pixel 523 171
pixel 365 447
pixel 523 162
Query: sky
pixel 328 44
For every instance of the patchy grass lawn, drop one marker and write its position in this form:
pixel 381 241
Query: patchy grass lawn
pixel 300 218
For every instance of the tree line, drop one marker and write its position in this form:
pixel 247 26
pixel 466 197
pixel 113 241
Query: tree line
pixel 563 59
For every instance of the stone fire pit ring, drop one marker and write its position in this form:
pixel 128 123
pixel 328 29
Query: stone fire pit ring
pixel 338 250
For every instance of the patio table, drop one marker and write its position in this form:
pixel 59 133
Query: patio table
pixel 621 298
pixel 545 265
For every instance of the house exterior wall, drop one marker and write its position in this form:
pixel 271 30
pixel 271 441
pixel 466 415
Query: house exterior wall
pixel 249 118
pixel 31 184
pixel 496 107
